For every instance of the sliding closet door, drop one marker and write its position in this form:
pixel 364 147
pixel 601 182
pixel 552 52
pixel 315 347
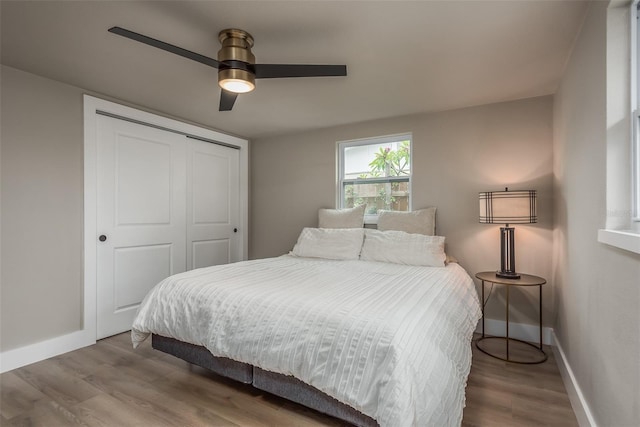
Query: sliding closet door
pixel 213 204
pixel 141 207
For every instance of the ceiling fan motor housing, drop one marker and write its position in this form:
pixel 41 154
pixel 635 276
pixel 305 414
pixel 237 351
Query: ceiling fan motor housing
pixel 235 56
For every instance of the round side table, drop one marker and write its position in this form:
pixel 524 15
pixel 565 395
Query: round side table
pixel 524 280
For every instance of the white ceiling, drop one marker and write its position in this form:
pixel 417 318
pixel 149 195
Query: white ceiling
pixel 402 57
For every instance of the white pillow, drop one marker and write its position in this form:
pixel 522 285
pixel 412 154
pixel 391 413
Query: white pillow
pixel 329 243
pixel 422 221
pixel 341 218
pixel 399 247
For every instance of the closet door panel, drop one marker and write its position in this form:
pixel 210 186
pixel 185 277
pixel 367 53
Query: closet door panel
pixel 143 175
pixel 141 179
pixel 211 186
pixel 210 252
pixel 213 211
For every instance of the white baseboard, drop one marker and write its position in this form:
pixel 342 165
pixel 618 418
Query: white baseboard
pixel 32 353
pixel 578 402
pixel 520 331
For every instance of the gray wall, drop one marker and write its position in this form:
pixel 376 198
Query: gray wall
pixel 41 188
pixel 456 154
pixel 598 286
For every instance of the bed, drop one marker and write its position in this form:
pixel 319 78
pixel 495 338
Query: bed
pixel 338 325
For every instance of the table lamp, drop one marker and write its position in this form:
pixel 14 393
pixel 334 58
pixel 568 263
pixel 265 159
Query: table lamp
pixel 508 207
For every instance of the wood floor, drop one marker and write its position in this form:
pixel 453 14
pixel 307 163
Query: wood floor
pixel 110 384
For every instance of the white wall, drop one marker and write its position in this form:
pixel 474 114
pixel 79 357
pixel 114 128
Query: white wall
pixel 597 286
pixel 456 155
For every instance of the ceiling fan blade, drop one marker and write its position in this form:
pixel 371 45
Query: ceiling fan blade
pixel 274 71
pixel 227 99
pixel 165 46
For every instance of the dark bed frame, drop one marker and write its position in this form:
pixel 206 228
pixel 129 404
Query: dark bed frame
pixel 280 385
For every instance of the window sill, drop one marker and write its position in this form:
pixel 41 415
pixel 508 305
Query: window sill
pixel 627 240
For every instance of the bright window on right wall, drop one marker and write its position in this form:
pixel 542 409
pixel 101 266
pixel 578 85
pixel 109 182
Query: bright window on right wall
pixel 635 102
pixel 622 224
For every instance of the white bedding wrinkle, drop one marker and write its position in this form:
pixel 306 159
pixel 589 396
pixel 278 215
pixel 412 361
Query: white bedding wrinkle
pixel 392 341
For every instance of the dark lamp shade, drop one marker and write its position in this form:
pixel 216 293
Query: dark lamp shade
pixel 508 207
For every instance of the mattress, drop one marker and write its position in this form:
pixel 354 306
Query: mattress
pixel 389 340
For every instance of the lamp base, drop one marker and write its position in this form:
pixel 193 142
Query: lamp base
pixel 507 254
pixel 507 275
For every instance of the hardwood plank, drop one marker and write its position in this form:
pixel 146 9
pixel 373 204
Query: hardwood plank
pixel 17 396
pixel 131 361
pixel 46 413
pixel 56 383
pixel 146 397
pixel 511 394
pixel 253 402
pixel 107 411
pixel 111 384
pixel 235 402
pixel 551 414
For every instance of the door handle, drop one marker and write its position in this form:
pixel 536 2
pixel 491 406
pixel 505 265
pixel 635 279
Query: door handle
pixel 102 238
pixel 235 230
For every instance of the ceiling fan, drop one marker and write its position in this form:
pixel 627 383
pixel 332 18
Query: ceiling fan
pixel 236 65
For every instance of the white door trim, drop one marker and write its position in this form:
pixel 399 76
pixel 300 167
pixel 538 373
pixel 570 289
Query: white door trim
pixel 32 353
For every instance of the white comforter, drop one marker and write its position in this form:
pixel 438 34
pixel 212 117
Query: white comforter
pixel 392 341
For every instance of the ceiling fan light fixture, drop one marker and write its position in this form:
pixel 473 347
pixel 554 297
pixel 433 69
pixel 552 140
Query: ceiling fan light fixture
pixel 236 55
pixel 236 81
pixel 237 86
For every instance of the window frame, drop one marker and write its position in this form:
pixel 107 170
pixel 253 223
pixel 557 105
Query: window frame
pixel 342 182
pixel 626 235
pixel 635 114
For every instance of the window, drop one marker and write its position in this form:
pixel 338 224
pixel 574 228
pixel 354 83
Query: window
pixel 623 143
pixel 375 172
